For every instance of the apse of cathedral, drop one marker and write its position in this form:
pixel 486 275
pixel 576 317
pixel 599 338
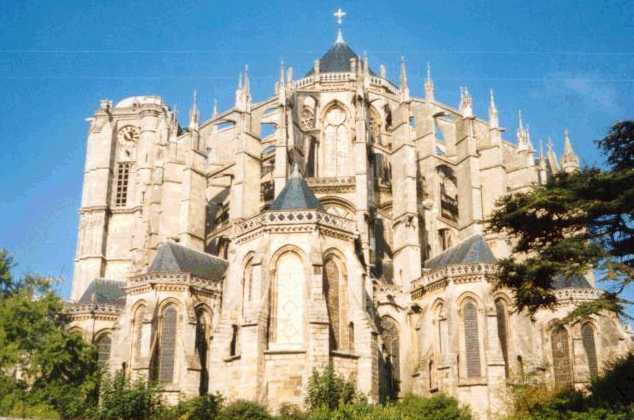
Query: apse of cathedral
pixel 338 222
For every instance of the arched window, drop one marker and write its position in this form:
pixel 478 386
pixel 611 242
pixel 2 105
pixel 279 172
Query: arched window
pixel 331 292
pixel 166 349
pixel 471 339
pixel 337 145
pixel 234 343
pixel 587 336
pixel 561 357
pixel 103 343
pixel 203 329
pixel 441 332
pixel 351 336
pixel 137 325
pixel 502 321
pixel 286 316
pixel 311 160
pixel 391 349
pixel 247 285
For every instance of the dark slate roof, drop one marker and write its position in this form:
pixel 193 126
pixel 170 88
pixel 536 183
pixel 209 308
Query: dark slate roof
pixel 296 195
pixel 337 60
pixel 577 282
pixel 104 292
pixel 174 258
pixel 472 250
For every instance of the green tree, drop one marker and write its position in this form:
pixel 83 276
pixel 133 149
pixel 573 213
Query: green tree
pixel 329 390
pixel 123 400
pixel 575 223
pixel 41 362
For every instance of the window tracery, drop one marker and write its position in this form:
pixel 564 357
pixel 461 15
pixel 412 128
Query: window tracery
pixel 589 345
pixel 471 339
pixel 561 357
pixel 336 146
pixel 286 311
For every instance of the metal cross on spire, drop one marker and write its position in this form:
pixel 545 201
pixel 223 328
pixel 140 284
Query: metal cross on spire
pixel 339 14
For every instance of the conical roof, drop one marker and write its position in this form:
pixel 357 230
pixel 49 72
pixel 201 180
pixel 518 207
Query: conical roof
pixel 174 258
pixel 337 60
pixel 473 250
pixel 296 194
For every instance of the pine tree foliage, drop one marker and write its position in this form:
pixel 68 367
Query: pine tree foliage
pixel 575 223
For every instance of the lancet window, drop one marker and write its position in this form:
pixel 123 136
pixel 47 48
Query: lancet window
pixel 561 357
pixel 103 343
pixel 165 346
pixel 503 331
pixel 587 337
pixel 286 309
pixel 471 339
pixel 336 144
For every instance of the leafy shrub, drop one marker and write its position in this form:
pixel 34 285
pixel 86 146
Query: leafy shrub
pixel 244 410
pixel 203 407
pixel 291 412
pixel 610 397
pixel 327 389
pixel 123 400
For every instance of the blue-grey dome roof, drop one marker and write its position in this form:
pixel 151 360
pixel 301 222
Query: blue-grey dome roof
pixel 473 250
pixel 337 60
pixel 174 258
pixel 296 194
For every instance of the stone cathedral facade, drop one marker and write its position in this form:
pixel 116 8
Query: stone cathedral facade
pixel 339 221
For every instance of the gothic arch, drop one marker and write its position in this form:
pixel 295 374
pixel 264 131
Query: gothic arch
pixel 139 312
pixel 335 287
pixel 390 334
pixel 164 347
pixel 469 310
pixel 287 296
pixel 339 206
pixel 204 326
pixel 336 141
pixel 588 339
pixel 247 280
pixel 503 330
pixel 562 363
pixel 103 342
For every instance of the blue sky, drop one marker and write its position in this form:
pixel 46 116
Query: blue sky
pixel 563 63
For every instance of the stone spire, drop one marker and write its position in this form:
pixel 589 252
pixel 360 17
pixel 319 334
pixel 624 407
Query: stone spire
pixel 466 103
pixel 494 122
pixel 429 85
pixel 382 71
pixel 522 135
pixel 214 113
pixel 194 113
pixel 403 81
pixel 569 160
pixel 551 158
pixel 281 84
pixel 243 95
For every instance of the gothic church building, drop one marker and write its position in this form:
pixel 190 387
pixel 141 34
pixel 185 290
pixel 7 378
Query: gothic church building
pixel 338 222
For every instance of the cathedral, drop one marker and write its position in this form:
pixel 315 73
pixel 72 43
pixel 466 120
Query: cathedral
pixel 338 222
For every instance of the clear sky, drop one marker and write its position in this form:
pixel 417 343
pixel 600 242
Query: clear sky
pixel 564 63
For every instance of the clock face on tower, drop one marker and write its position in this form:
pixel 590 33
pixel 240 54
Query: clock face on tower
pixel 128 135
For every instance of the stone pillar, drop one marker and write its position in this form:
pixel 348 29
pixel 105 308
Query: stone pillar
pixel 407 256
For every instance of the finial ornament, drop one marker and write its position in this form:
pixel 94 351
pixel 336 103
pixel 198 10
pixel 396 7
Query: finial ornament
pixel 429 85
pixel 339 14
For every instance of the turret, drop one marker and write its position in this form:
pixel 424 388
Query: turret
pixel 193 122
pixel 429 85
pixel 466 103
pixel 569 160
pixel 403 82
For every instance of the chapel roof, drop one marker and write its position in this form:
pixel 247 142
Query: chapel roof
pixel 473 250
pixel 296 194
pixel 174 258
pixel 337 59
pixel 574 282
pixel 104 292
